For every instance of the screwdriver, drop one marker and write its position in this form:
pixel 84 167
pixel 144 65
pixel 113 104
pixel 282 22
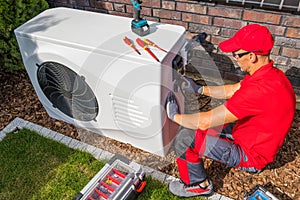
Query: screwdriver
pixel 149 42
pixel 144 46
pixel 128 41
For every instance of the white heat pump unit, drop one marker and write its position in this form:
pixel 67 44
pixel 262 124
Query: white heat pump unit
pixel 85 74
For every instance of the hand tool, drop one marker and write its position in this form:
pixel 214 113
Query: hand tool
pixel 149 42
pixel 118 179
pixel 139 25
pixel 130 43
pixel 144 46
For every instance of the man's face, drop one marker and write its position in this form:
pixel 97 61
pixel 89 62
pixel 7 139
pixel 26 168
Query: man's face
pixel 242 59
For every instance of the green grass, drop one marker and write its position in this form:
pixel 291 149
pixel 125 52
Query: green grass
pixel 33 167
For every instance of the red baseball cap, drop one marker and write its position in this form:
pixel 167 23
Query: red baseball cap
pixel 253 38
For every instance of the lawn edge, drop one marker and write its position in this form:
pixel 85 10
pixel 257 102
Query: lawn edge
pixel 19 123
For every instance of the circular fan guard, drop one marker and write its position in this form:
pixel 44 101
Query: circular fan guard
pixel 67 91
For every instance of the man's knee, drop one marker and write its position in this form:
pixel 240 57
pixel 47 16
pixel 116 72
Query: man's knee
pixel 234 157
pixel 223 151
pixel 185 138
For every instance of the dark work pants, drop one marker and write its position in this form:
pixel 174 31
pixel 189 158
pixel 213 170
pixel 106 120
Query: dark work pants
pixel 217 144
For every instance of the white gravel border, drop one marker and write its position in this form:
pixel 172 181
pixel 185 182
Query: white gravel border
pixel 98 153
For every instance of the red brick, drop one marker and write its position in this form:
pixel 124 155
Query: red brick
pixel 229 23
pixel 276 30
pixel 175 22
pixel 167 14
pixel 119 7
pixel 275 50
pixel 287 42
pixel 217 40
pixel 170 5
pixel 151 3
pixel 145 11
pixel 197 18
pixel 279 60
pixel 293 33
pixel 261 17
pixel 225 12
pixel 291 20
pixel 153 19
pixel 121 1
pixel 198 28
pixel 295 63
pixel 194 8
pixel 129 9
pixel 107 6
pixel 83 3
pixel 291 53
pixel 227 32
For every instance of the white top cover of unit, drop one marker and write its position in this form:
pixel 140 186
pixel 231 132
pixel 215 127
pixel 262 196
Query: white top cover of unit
pixel 97 32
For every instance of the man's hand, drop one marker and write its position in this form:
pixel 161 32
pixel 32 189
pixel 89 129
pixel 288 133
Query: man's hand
pixel 191 86
pixel 171 106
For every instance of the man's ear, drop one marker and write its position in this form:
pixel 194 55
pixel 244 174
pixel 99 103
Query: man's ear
pixel 253 57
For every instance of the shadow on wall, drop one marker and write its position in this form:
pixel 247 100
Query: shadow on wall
pixel 293 75
pixel 210 65
pixel 202 58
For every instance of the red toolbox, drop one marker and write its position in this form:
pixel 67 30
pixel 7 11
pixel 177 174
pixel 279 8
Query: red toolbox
pixel 119 179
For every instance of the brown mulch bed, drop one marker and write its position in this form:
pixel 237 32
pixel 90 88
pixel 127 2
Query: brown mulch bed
pixel 282 177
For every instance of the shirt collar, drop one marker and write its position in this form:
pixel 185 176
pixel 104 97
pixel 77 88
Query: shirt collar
pixel 261 71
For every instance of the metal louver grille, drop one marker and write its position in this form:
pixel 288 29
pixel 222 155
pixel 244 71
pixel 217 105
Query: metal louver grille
pixel 285 5
pixel 67 91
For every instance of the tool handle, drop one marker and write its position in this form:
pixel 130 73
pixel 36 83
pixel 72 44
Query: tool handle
pixel 126 40
pixel 141 43
pixel 149 42
pixel 130 43
pixel 136 9
pixel 141 187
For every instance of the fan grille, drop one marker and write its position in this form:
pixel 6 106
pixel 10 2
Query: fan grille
pixel 67 91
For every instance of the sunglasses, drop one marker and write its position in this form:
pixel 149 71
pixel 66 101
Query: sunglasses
pixel 239 55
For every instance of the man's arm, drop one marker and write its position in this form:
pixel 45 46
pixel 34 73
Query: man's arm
pixel 221 92
pixel 205 120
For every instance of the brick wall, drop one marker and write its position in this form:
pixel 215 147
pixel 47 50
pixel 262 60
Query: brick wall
pixel 219 22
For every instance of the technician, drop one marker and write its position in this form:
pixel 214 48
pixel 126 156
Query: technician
pixel 245 132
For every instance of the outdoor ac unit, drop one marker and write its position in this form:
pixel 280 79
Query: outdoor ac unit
pixel 84 74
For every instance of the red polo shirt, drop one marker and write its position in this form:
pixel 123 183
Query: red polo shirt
pixel 264 106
